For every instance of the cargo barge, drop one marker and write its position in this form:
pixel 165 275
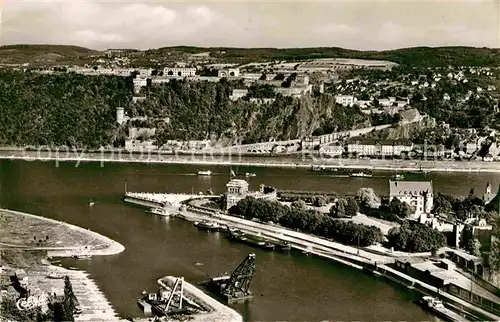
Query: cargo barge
pixel 251 240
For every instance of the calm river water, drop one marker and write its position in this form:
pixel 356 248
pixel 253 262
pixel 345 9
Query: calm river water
pixel 287 287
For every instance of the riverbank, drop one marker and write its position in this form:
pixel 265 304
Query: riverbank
pixel 58 238
pixel 27 240
pixel 277 161
pixel 368 259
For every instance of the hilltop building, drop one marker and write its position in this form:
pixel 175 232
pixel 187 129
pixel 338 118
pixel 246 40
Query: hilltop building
pixel 228 72
pixel 237 189
pixel 418 194
pixel 179 71
pixel 345 100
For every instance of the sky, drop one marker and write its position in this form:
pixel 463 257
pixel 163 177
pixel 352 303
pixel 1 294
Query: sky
pixel 355 24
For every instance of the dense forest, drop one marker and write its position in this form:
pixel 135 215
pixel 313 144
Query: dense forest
pixel 61 109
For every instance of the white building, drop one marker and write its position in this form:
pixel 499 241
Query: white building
pixel 345 100
pixel 332 150
pixel 120 115
pixel 418 194
pixel 238 93
pixel 179 71
pixel 229 72
pixel 237 189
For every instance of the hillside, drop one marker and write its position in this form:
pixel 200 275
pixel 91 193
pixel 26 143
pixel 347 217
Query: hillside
pixel 43 54
pixel 79 111
pixel 416 56
pixel 202 110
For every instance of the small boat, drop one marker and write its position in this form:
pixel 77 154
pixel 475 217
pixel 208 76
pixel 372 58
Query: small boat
pixel 82 256
pixel 361 175
pixel 158 211
pixel 249 174
pixel 266 245
pixel 204 173
pixel 207 225
pixel 284 246
pixel 398 176
pixel 91 203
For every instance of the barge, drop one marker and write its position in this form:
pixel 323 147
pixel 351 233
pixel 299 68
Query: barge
pixel 208 225
pixel 251 240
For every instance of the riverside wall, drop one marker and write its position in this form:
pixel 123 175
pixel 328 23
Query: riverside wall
pixel 279 161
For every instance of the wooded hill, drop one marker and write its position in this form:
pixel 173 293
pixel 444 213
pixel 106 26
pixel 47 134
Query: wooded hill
pixel 415 56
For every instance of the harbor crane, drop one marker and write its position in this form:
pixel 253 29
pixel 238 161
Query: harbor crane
pixel 235 287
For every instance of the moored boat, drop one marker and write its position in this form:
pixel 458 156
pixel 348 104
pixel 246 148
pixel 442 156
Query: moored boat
pixel 207 225
pixel 82 256
pixel 249 174
pixel 361 175
pixel 284 246
pixel 398 176
pixel 158 211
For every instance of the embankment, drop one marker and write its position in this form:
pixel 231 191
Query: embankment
pixel 278 161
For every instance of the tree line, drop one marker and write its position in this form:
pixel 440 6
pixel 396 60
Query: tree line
pixel 298 217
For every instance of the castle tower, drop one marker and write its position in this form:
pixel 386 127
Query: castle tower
pixel 120 114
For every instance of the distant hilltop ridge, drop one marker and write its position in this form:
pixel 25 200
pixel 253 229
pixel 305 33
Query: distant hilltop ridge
pixel 415 56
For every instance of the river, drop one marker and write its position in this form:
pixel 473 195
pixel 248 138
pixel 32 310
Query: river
pixel 286 286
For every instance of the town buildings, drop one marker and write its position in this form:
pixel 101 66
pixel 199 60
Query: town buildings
pixel 379 148
pixel 418 194
pixel 179 71
pixel 345 100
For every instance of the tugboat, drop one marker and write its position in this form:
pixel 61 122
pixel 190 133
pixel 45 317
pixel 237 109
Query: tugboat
pixel 204 173
pixel 207 225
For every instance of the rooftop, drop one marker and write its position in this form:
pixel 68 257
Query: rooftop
pixel 237 183
pixel 398 188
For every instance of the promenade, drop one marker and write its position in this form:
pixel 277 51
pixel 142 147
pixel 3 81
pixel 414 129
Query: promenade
pixel 256 160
